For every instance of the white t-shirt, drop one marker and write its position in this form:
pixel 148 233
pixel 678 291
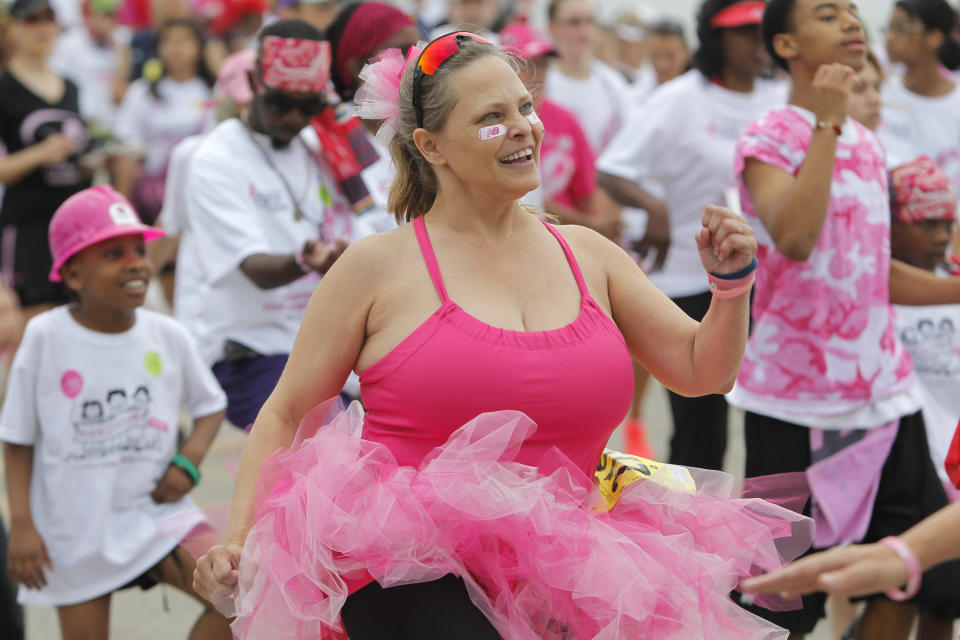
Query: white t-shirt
pixel 101 411
pixel 600 102
pixel 93 69
pixel 238 206
pixel 932 336
pixel 684 139
pixel 914 125
pixel 156 126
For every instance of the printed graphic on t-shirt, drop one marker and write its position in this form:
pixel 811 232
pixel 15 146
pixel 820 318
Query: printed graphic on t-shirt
pixel 43 123
pixel 934 346
pixel 117 421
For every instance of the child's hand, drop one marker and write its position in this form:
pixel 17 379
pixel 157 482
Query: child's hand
pixel 216 575
pixel 174 484
pixel 832 85
pixel 26 556
pixel 726 241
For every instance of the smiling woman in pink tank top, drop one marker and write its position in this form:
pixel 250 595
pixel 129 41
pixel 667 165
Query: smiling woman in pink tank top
pixel 494 352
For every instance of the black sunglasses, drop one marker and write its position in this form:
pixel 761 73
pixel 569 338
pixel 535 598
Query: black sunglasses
pixel 280 104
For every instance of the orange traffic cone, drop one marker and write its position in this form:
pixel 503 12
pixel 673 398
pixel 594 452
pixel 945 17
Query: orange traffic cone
pixel 635 439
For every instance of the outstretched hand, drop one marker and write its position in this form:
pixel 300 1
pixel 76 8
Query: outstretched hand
pixel 853 571
pixel 725 241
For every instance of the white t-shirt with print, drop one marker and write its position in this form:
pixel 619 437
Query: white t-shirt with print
pixel 601 102
pixel 684 139
pixel 93 69
pixel 932 337
pixel 913 125
pixel 101 411
pixel 238 205
pixel 156 126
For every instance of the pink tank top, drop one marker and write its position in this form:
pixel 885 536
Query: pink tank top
pixel 575 382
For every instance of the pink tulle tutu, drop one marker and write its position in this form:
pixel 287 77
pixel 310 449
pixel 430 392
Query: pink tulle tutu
pixel 539 555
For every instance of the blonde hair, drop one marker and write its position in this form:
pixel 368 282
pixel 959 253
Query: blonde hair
pixel 415 187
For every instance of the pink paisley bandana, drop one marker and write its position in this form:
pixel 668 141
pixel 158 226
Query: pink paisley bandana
pixel 921 191
pixel 291 64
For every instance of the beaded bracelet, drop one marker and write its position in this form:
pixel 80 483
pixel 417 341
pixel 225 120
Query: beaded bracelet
pixel 914 573
pixel 183 463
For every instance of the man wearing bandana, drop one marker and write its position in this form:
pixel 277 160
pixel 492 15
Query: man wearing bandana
pixel 266 219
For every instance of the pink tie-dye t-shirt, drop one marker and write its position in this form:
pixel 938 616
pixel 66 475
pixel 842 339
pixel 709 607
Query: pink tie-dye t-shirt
pixel 823 340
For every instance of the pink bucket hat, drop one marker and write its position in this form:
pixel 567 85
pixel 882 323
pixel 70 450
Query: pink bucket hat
pixel 89 217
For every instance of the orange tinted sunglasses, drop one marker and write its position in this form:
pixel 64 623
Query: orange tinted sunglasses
pixel 432 57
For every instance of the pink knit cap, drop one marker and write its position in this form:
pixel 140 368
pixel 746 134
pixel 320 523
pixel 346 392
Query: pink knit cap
pixel 89 217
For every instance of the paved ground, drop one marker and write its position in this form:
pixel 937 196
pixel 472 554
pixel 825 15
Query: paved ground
pixel 138 615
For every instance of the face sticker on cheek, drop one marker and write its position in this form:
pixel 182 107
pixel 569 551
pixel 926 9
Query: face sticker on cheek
pixel 495 131
pixel 534 119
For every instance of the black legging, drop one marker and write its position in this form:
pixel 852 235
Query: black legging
pixel 439 609
pixel 699 424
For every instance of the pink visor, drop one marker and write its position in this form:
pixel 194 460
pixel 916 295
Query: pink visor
pixel 740 14
pixel 524 42
pixel 292 64
pixel 91 216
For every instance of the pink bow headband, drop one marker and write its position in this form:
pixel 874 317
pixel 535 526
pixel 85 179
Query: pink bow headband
pixel 292 64
pixel 379 97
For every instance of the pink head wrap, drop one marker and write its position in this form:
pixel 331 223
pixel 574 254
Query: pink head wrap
pixel 292 64
pixel 371 24
pixel 921 191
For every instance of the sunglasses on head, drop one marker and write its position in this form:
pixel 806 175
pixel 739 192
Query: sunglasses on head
pixel 432 57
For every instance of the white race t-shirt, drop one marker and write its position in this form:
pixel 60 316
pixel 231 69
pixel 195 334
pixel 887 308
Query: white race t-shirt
pixel 238 206
pixel 914 125
pixel 932 337
pixel 101 412
pixel 93 69
pixel 684 139
pixel 156 126
pixel 600 102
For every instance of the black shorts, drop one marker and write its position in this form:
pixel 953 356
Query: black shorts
pixel 439 609
pixel 909 491
pixel 152 576
pixel 25 264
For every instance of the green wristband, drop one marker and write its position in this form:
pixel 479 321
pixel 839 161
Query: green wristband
pixel 184 464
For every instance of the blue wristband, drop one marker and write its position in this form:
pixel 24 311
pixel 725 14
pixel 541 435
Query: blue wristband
pixel 742 273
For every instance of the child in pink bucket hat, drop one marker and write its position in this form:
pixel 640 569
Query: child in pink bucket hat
pixel 89 426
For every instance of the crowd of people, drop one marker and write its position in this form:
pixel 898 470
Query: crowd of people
pixel 483 225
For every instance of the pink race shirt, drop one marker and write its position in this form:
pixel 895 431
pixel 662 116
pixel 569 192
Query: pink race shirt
pixel 823 340
pixel 566 161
